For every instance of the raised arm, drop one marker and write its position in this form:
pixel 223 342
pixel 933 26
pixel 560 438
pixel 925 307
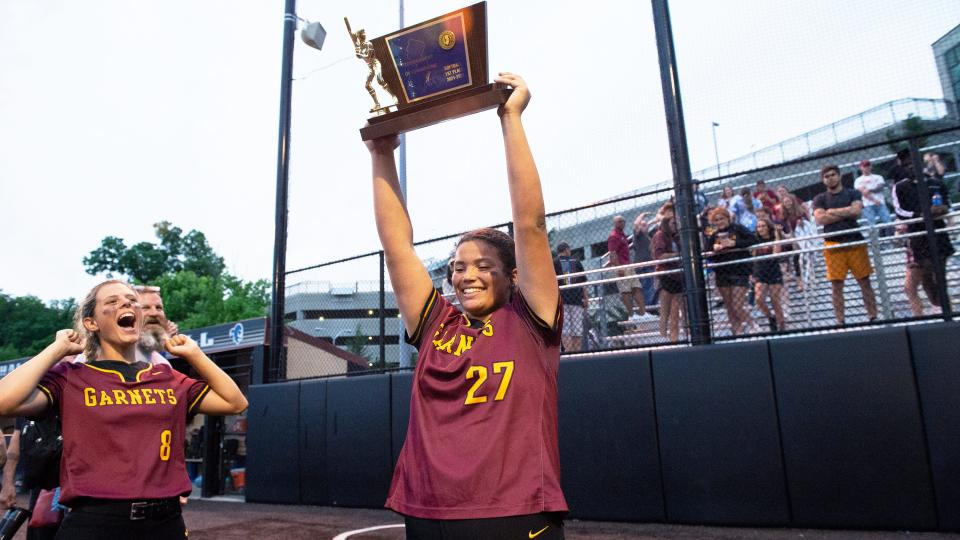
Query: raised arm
pixel 19 395
pixel 410 280
pixel 225 396
pixel 537 279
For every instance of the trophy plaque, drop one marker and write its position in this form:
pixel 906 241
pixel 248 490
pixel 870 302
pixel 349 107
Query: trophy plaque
pixel 435 70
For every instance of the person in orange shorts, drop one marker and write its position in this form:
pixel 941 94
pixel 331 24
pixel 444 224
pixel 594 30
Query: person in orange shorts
pixel 837 210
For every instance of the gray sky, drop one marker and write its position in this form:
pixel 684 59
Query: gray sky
pixel 115 115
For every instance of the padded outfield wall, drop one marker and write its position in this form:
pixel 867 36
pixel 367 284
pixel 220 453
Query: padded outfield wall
pixel 848 430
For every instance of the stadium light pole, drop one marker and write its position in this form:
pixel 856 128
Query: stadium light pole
pixel 313 36
pixel 690 259
pixel 283 170
pixel 404 350
pixel 716 149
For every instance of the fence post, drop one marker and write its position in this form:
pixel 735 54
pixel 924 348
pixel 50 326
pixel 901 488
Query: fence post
pixel 279 289
pixel 690 259
pixel 383 311
pixel 924 193
pixel 881 272
pixel 602 318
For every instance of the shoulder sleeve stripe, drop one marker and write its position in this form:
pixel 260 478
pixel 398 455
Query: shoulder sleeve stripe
pixel 424 313
pixel 47 393
pixel 196 402
pixel 538 320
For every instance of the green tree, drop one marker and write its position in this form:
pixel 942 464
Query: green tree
pixel 911 127
pixel 194 301
pixel 358 345
pixel 27 325
pixel 145 262
pixel 197 290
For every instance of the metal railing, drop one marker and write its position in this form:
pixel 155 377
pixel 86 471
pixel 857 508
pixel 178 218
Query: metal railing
pixel 887 259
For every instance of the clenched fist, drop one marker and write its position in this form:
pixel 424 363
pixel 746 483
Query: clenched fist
pixel 181 346
pixel 69 341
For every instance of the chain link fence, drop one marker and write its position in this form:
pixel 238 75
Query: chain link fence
pixel 766 261
pixel 779 257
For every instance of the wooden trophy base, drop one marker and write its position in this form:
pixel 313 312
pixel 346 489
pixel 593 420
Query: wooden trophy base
pixel 434 111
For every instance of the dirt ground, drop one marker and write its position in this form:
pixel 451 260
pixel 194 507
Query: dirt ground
pixel 227 520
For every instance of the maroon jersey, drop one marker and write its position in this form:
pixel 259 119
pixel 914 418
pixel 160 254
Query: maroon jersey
pixel 482 436
pixel 122 439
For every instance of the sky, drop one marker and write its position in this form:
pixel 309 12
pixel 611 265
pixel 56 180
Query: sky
pixel 115 115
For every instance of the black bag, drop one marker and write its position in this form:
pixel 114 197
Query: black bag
pixel 41 445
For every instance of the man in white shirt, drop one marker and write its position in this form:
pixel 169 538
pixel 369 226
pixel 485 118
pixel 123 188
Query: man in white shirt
pixel 871 187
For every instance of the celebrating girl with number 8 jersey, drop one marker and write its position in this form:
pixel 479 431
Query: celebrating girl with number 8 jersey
pixel 122 470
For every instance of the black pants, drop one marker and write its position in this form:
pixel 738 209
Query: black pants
pixel 928 278
pixel 84 525
pixel 545 526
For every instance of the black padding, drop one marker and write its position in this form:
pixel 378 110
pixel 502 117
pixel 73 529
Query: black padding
pixel 314 483
pixel 719 441
pixel 273 472
pixel 608 450
pixel 850 422
pixel 936 359
pixel 359 462
pixel 401 386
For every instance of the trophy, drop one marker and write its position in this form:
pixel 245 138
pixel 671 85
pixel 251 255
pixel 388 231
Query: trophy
pixel 435 71
pixel 364 51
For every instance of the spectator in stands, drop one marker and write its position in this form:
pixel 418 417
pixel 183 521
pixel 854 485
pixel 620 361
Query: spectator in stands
pixel 666 245
pixel 446 286
pixel 871 187
pixel 744 210
pixel 797 220
pixel 838 209
pixel 767 273
pixel 899 171
pixel 729 242
pixel 933 166
pixel 766 196
pixel 618 245
pixel 700 201
pixel 727 198
pixel 765 213
pixel 575 300
pixel 783 193
pixel 642 254
pixel 783 231
pixel 665 211
pixel 907 203
pixel 913 276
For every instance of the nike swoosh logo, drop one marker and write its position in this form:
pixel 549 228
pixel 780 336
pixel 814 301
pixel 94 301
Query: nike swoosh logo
pixel 157 373
pixel 531 534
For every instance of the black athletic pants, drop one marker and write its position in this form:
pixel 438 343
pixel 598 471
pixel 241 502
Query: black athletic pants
pixel 83 525
pixel 543 526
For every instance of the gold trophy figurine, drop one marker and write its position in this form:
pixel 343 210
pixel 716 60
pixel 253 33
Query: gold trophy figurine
pixel 364 51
